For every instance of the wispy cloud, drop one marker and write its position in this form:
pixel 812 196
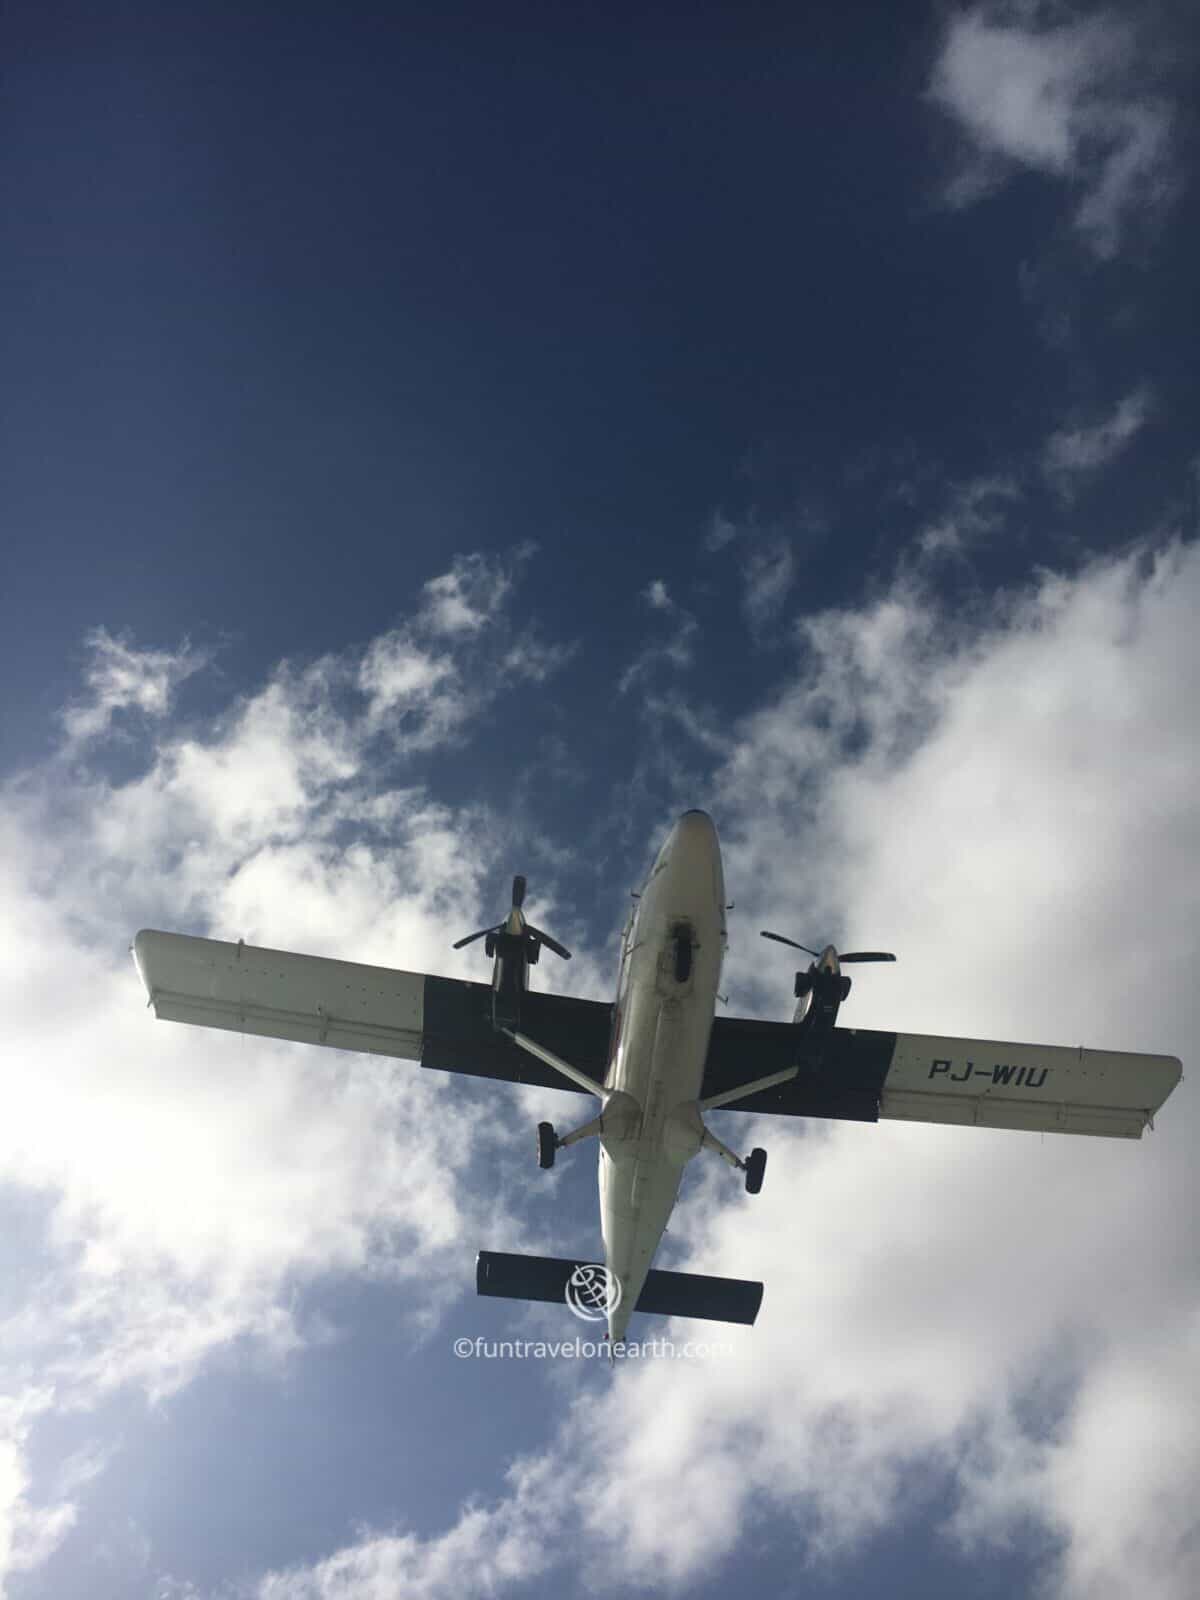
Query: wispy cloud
pixel 427 678
pixel 30 1530
pixel 973 512
pixel 1076 451
pixel 1058 97
pixel 121 677
pixel 490 1550
pixel 767 561
pixel 466 598
pixel 721 531
pixel 767 575
pixel 672 648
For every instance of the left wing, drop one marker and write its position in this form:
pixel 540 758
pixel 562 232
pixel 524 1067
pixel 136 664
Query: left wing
pixel 440 1022
pixel 863 1075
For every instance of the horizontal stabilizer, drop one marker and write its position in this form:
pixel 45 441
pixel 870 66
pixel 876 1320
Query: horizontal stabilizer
pixel 666 1294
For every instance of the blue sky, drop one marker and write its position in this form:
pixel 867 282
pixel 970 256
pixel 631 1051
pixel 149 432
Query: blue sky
pixel 441 449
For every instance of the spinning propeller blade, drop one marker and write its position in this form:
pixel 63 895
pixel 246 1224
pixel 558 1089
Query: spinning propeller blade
pixel 851 955
pixel 521 926
pixel 779 939
pixel 551 944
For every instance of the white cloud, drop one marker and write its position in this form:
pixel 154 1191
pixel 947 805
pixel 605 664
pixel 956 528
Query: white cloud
pixel 532 661
pixel 720 532
pixel 467 598
pixel 1136 1416
pixel 671 649
pixel 418 696
pixel 426 679
pixel 1061 100
pixel 195 1180
pixel 767 574
pixel 974 510
pixel 1008 801
pixel 702 726
pixel 193 1174
pixel 486 1552
pixel 120 677
pixel 1008 804
pixel 29 1532
pixel 1074 451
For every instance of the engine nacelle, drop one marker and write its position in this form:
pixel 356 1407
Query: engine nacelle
pixel 819 995
pixel 511 952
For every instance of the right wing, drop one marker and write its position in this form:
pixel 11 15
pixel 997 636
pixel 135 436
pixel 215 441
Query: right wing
pixel 440 1022
pixel 862 1075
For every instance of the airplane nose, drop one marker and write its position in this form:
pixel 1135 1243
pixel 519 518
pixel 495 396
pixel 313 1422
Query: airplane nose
pixel 694 837
pixel 694 851
pixel 691 843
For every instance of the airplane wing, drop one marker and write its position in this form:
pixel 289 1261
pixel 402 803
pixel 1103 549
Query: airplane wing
pixel 863 1075
pixel 440 1022
pixel 445 1023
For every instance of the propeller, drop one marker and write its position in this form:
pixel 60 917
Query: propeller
pixel 779 939
pixel 551 944
pixel 850 955
pixel 518 900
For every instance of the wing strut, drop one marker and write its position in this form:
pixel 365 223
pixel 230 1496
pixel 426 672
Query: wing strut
pixel 579 1079
pixel 744 1090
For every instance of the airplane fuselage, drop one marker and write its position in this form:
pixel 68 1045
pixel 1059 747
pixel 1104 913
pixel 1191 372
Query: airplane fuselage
pixel 671 956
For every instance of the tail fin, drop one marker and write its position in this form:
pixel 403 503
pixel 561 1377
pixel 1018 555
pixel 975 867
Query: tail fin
pixel 665 1294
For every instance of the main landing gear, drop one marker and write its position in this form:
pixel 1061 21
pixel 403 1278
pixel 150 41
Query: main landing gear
pixel 620 1114
pixel 754 1166
pixel 549 1142
pixel 547 1145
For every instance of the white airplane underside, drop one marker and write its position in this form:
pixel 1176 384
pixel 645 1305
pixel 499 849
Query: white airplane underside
pixel 656 1060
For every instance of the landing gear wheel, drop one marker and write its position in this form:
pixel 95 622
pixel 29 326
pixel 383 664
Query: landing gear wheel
pixel 756 1165
pixel 547 1144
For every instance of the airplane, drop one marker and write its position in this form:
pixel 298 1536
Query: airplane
pixel 656 1060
